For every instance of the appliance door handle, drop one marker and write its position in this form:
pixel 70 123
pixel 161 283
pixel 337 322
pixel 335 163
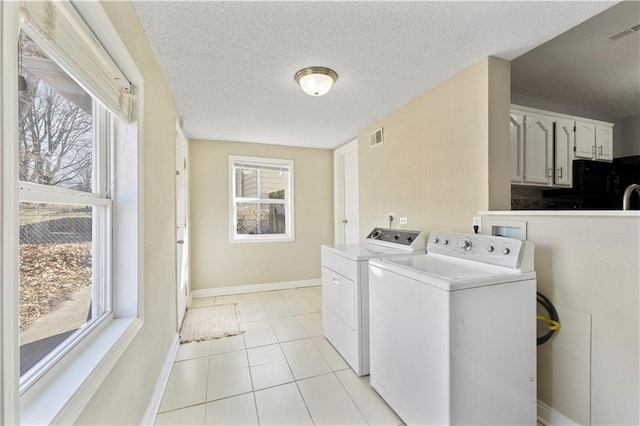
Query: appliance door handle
pixel 335 281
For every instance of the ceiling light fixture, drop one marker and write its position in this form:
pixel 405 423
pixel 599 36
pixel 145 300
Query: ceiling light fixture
pixel 316 81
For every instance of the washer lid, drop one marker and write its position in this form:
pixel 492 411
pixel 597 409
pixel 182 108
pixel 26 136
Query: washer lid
pixel 450 273
pixel 364 251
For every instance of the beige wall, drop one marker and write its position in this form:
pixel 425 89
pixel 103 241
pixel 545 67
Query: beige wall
pixel 125 394
pixel 444 156
pixel 589 268
pixel 218 263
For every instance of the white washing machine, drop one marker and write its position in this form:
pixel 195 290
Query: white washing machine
pixel 453 331
pixel 345 289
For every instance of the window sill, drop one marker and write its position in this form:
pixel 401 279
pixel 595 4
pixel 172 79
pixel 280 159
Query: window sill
pixel 63 393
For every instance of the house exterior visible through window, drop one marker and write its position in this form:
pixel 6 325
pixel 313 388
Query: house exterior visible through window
pixel 261 199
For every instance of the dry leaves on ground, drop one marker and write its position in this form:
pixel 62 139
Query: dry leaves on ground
pixel 49 274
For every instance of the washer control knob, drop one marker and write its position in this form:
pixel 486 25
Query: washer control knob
pixel 396 237
pixel 490 248
pixel 506 250
pixel 436 240
pixel 409 238
pixel 445 242
pixel 465 245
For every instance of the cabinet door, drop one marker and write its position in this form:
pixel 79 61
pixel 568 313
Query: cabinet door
pixel 538 146
pixel 516 146
pixel 604 143
pixel 564 142
pixel 585 144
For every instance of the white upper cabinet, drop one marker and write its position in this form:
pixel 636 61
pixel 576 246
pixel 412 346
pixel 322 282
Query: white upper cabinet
pixel 517 145
pixel 544 144
pixel 594 141
pixel 585 140
pixel 563 152
pixel 604 142
pixel 538 149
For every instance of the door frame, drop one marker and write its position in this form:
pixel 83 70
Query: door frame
pixel 339 155
pixel 182 300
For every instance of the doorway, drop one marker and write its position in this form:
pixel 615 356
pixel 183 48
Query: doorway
pixel 182 234
pixel 345 162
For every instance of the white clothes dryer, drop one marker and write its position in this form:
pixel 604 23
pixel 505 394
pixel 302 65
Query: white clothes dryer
pixel 453 331
pixel 345 289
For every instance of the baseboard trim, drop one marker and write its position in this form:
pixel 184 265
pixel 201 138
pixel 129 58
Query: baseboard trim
pixel 161 384
pixel 551 417
pixel 253 288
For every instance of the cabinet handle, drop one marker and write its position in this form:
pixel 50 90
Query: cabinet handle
pixel 335 281
pixel 600 150
pixel 593 151
pixel 560 173
pixel 550 173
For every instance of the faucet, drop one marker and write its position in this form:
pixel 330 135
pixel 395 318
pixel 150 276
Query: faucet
pixel 626 198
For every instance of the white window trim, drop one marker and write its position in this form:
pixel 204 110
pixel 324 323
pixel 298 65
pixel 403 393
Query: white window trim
pixel 62 395
pixel 289 190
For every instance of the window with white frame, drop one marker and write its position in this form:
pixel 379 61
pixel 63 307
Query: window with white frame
pixel 72 104
pixel 261 199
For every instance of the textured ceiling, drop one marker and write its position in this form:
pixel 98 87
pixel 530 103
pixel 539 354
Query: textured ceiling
pixel 230 65
pixel 583 68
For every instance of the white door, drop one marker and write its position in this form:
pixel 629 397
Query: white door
pixel 345 161
pixel 564 153
pixel 182 251
pixel 538 145
pixel 585 140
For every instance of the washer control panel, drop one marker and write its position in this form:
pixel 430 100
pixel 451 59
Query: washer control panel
pixel 397 238
pixel 500 251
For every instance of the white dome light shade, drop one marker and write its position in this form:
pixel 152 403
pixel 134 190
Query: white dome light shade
pixel 316 81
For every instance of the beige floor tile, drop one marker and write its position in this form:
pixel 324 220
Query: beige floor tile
pixel 299 306
pixel 318 289
pixel 227 344
pixel 237 410
pixel 193 350
pixel 269 296
pixel 185 416
pixel 282 405
pixel 222 300
pixel 248 298
pixel 290 293
pixel 269 375
pixel 328 402
pixel 316 302
pixel 265 355
pixel 311 324
pixel 259 333
pixel 287 329
pixel 226 383
pixel 228 361
pixel 370 404
pixel 329 353
pixel 255 313
pixel 187 384
pixel 307 291
pixel 304 359
pixel 203 301
pixel 277 309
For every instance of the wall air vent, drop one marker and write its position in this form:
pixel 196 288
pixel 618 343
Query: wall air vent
pixel 376 138
pixel 625 32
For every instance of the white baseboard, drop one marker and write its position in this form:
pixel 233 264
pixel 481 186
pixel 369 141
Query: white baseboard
pixel 252 288
pixel 161 384
pixel 550 417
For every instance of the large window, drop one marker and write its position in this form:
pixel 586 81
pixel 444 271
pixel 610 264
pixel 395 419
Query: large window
pixel 261 199
pixel 64 139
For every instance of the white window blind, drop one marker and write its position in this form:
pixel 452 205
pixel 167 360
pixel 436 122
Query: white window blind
pixel 62 33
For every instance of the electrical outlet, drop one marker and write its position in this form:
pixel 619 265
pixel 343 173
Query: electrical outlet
pixel 391 218
pixel 477 221
pixel 403 221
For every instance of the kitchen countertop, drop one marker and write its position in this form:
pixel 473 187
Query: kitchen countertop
pixel 588 213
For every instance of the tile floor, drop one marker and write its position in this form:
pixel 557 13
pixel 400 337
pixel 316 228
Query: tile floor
pixel 281 371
